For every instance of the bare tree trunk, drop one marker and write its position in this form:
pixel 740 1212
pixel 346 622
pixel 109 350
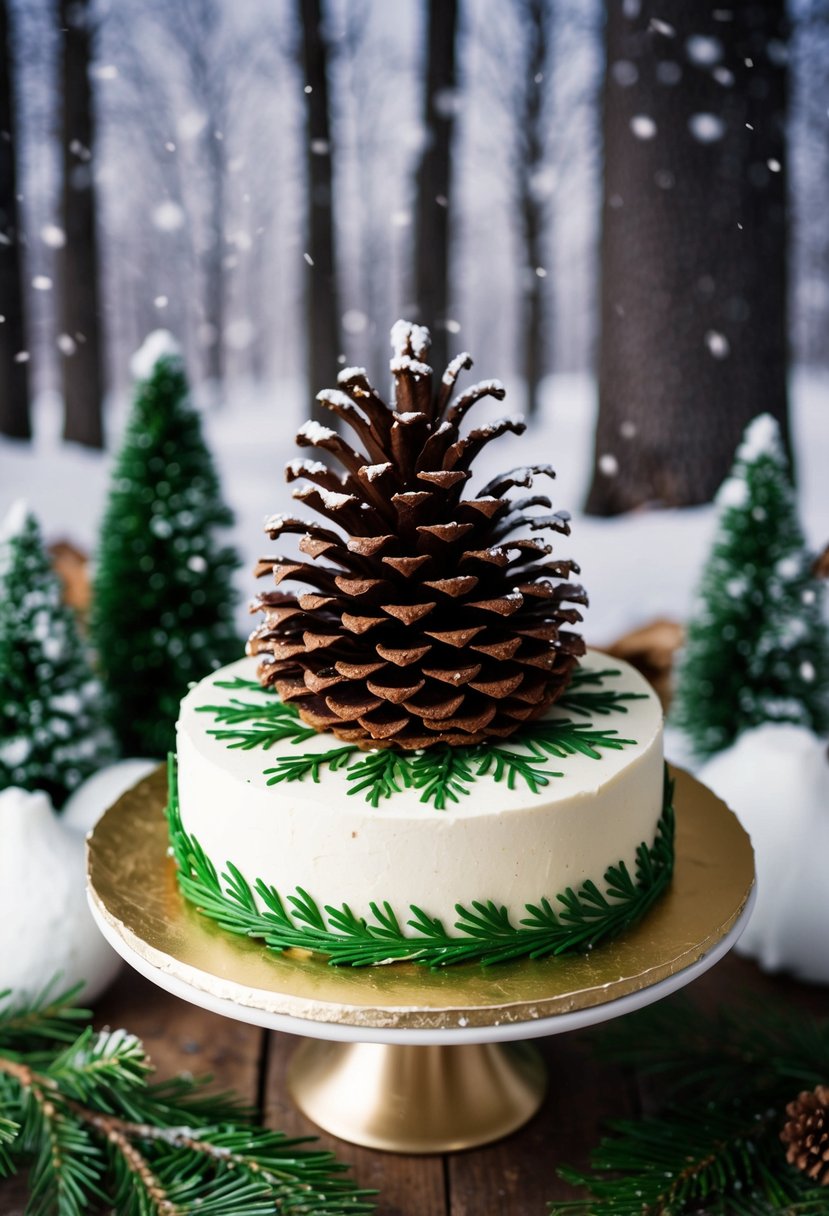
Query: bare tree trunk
pixel 532 211
pixel 693 304
pixel 324 339
pixel 14 378
pixel 434 178
pixel 80 315
pixel 213 264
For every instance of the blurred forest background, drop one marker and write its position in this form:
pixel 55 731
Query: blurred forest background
pixel 634 188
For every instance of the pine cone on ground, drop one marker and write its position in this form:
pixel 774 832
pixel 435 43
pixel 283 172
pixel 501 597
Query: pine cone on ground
pixel 434 618
pixel 806 1134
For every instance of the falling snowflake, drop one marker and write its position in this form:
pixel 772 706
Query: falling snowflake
pixel 706 128
pixel 718 345
pixel 643 126
pixel 703 50
pixel 168 216
pixel 354 321
pixel 53 236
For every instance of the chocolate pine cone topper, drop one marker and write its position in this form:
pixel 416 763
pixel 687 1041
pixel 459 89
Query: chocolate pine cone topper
pixel 428 616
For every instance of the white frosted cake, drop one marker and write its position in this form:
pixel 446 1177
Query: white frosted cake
pixel 419 760
pixel 512 847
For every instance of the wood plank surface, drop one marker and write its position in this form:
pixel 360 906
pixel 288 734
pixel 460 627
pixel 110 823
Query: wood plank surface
pixel 516 1177
pixel 407 1186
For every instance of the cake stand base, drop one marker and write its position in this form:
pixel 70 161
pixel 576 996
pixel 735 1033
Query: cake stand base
pixel 401 1058
pixel 417 1099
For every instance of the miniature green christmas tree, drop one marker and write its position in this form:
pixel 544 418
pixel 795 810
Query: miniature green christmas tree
pixel 53 727
pixel 757 648
pixel 163 597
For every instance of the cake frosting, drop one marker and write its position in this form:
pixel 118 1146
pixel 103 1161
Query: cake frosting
pixel 511 846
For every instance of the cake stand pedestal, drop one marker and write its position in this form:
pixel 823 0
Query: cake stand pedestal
pixel 401 1058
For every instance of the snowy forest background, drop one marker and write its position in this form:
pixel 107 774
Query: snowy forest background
pixel 619 208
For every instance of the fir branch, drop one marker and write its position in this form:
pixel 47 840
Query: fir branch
pixel 380 774
pixel 716 1147
pixel 570 922
pixel 585 695
pixel 503 764
pixel 442 774
pixel 50 1016
pixel 561 737
pixel 310 764
pixel 256 723
pixel 92 1131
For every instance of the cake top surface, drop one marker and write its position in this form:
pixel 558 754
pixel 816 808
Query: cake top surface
pixel 635 720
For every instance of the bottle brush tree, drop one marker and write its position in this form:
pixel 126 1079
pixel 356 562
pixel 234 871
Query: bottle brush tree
pixel 163 598
pixel 54 731
pixel 757 648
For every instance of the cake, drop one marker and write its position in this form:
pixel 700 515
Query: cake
pixel 418 759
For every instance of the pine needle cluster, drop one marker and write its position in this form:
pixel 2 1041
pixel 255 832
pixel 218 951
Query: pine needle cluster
pixel 78 1109
pixel 715 1146
pixel 442 773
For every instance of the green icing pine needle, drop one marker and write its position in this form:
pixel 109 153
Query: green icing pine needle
pixel 573 921
pixel 80 1114
pixel 442 774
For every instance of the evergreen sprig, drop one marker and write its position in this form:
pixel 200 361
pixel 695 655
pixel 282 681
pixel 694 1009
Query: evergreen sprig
pixel 442 774
pixel 715 1148
pixel 80 1113
pixel 571 922
pixel 585 695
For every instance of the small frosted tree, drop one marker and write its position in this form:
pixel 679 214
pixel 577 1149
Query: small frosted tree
pixel 163 597
pixel 53 726
pixel 757 648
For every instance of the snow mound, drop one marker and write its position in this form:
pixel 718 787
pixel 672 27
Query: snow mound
pixel 89 801
pixel 776 780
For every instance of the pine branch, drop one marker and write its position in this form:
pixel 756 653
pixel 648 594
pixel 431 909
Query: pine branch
pixel 92 1131
pixel 585 696
pixel 442 774
pixel 297 768
pixel 380 775
pixel 49 1016
pixel 256 723
pixel 573 921
pixel 560 737
pixel 716 1147
pixel 502 764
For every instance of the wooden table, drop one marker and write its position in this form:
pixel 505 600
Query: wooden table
pixel 516 1177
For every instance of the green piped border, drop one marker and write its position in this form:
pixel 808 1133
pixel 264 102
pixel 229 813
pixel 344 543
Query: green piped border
pixel 582 920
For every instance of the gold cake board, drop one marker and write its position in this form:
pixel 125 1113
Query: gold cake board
pixel 410 1059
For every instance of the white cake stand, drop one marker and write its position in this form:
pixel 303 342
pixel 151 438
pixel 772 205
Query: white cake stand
pixel 400 1058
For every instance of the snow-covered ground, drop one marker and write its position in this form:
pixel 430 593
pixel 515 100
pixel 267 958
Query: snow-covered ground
pixel 635 567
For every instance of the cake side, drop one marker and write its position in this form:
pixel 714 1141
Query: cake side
pixel 509 846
